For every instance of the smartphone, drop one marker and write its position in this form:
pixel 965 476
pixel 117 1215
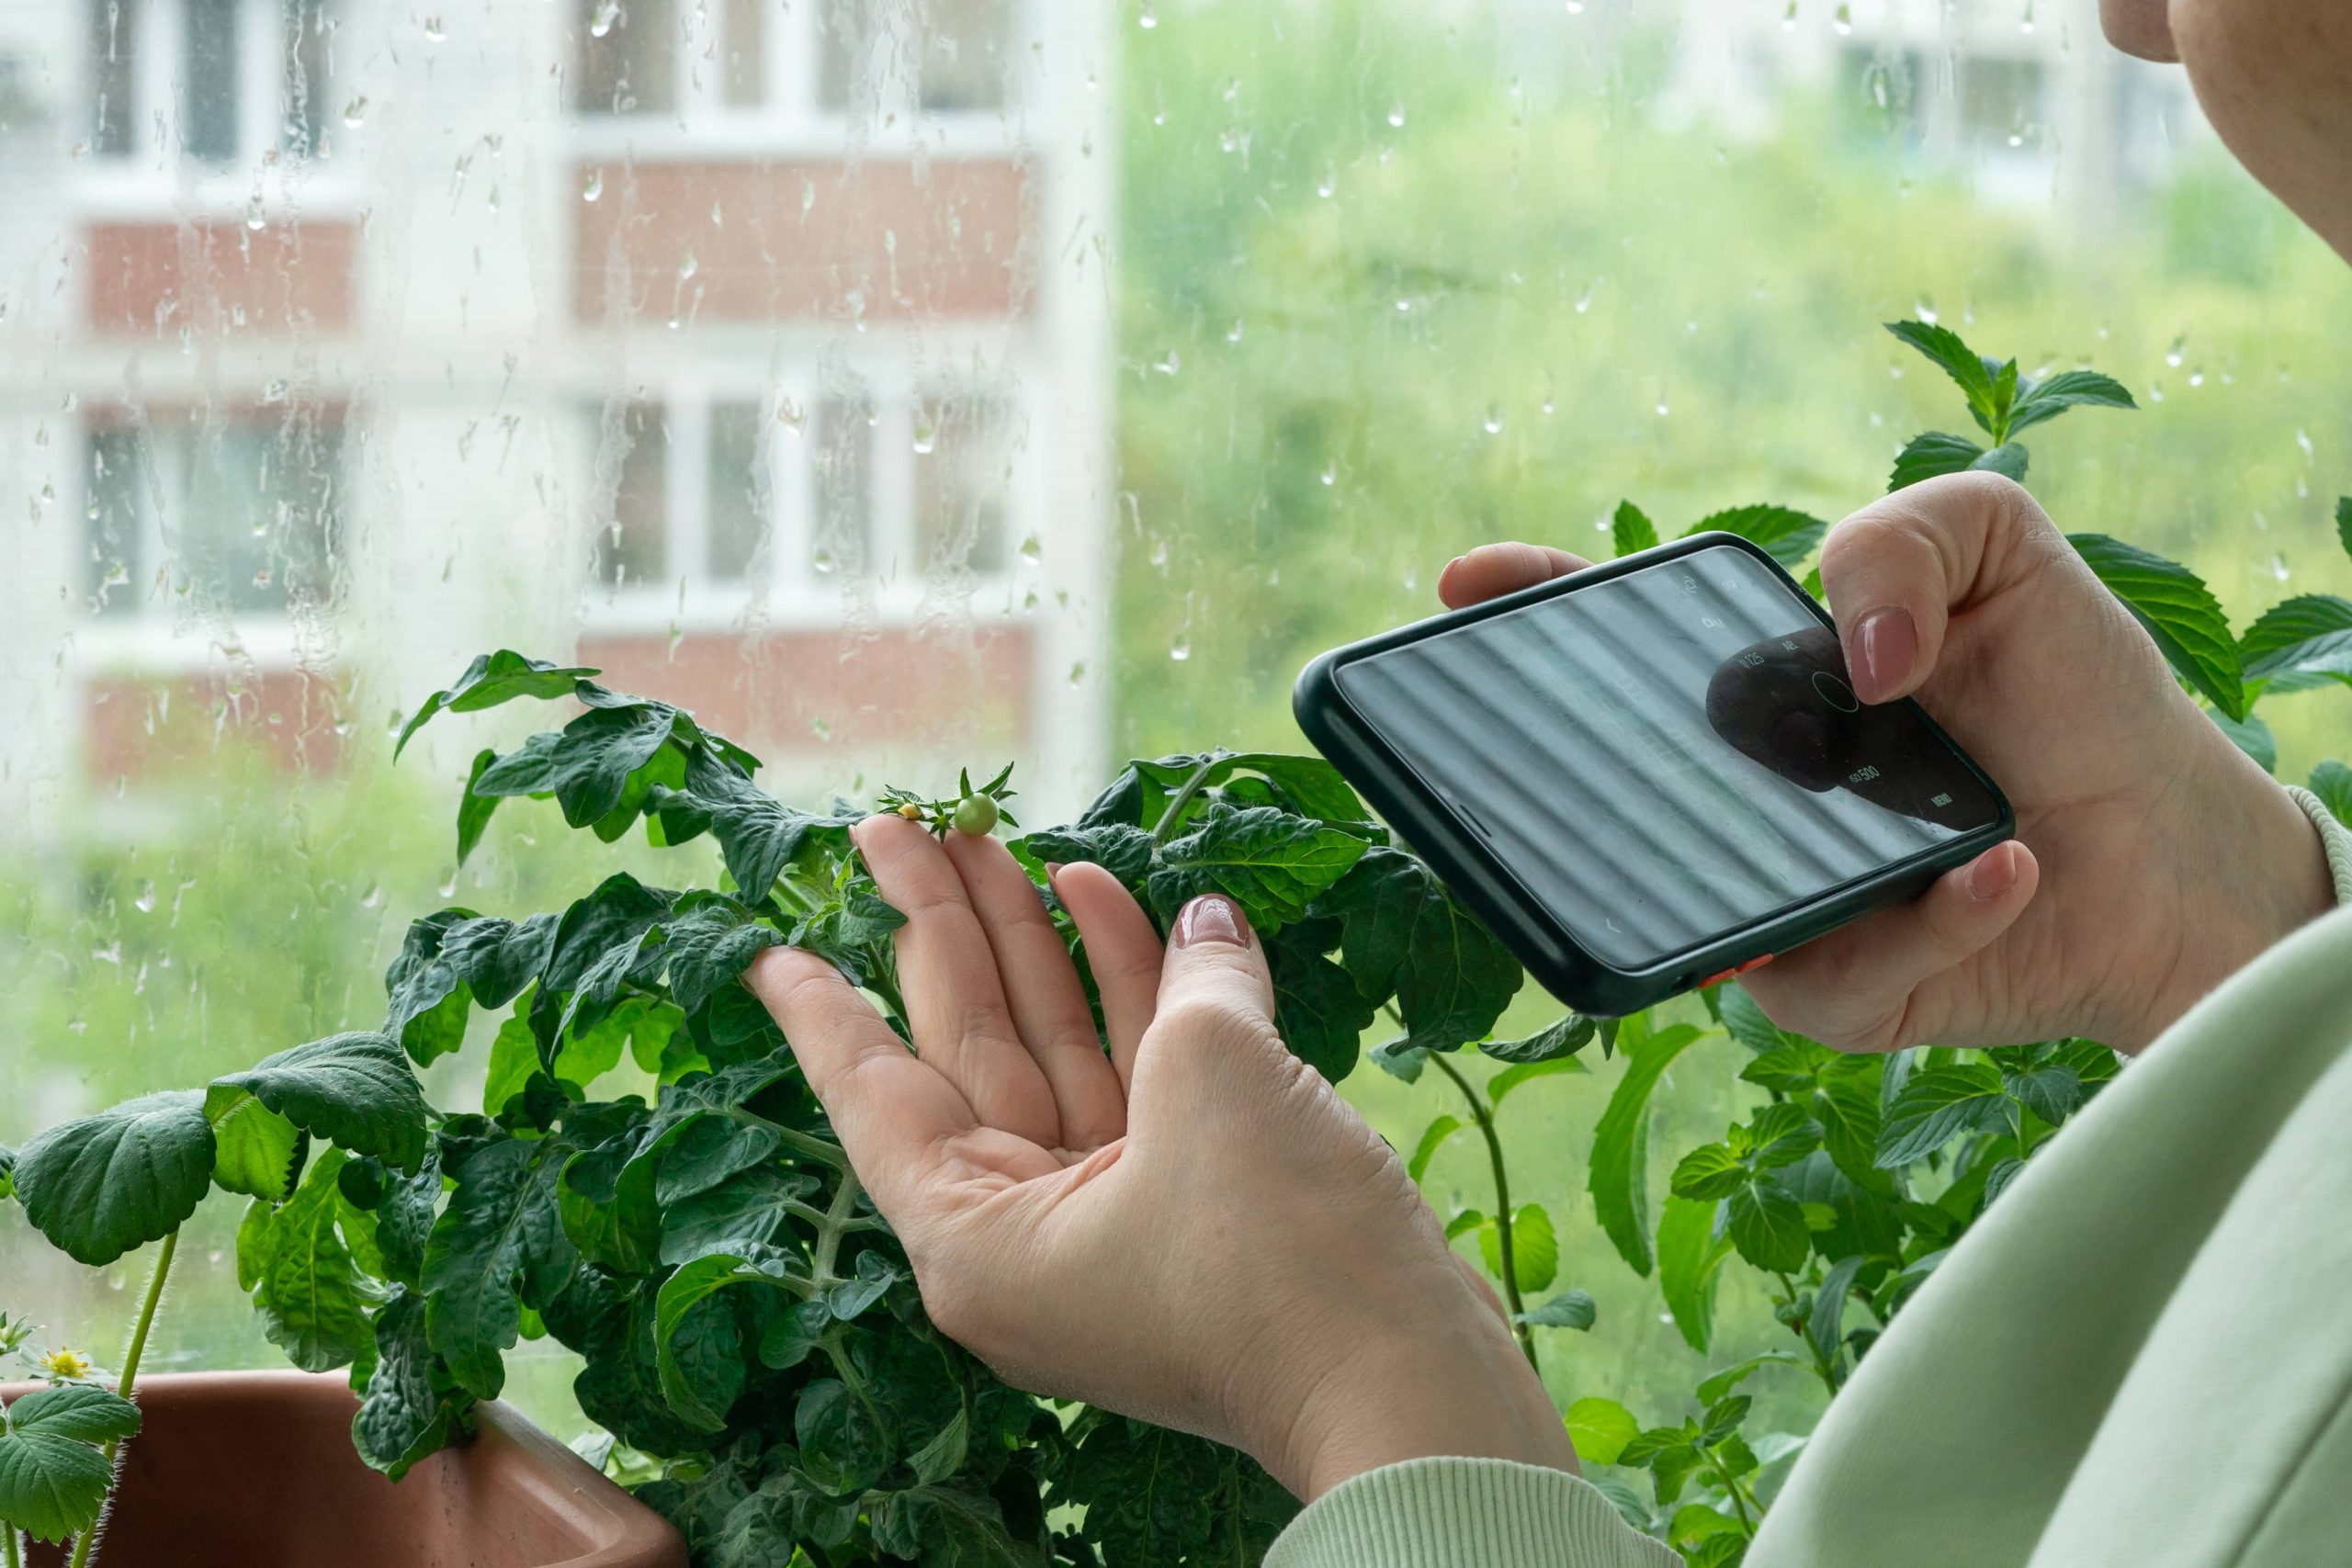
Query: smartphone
pixel 1652 774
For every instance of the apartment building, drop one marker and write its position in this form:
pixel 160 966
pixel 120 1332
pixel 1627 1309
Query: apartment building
pixel 756 352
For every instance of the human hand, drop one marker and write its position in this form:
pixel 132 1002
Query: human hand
pixel 1195 1228
pixel 2153 857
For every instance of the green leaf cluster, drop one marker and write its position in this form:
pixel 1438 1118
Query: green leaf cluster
pixel 56 1458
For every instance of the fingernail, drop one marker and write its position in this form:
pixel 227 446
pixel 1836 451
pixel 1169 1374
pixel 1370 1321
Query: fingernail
pixel 1053 875
pixel 1886 645
pixel 1211 918
pixel 1995 872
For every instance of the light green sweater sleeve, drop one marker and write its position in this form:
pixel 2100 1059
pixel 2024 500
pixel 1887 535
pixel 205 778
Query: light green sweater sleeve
pixel 2139 1356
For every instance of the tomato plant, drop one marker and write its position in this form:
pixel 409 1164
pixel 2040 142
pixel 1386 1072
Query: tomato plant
pixel 750 1336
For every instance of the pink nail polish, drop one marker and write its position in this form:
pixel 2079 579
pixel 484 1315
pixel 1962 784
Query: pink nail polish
pixel 1212 918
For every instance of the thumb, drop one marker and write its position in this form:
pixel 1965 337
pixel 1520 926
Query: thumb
pixel 1215 1010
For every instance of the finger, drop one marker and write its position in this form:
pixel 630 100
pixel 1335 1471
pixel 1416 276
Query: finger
pixel 1895 571
pixel 1123 951
pixel 1213 1023
pixel 894 1113
pixel 1860 989
pixel 955 1004
pixel 1041 986
pixel 1492 570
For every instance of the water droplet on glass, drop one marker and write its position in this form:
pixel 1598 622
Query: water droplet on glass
pixel 1233 332
pixel 593 185
pixel 1160 554
pixel 1170 365
pixel 2278 567
pixel 821 562
pixel 1925 312
pixel 1547 403
pixel 688 268
pixel 2197 377
pixel 1181 648
pixel 1031 547
pixel 1330 474
pixel 1789 16
pixel 2303 440
pixel 449 888
pixel 1844 21
pixel 145 901
pixel 2025 23
pixel 1404 306
pixel 1078 672
pixel 275 392
pixel 255 219
pixel 433 31
pixel 1328 184
pixel 1397 115
pixel 372 898
pixel 1494 420
pixel 790 415
pixel 1662 408
pixel 1146 20
pixel 355 113
pixel 607 12
pixel 2173 355
pixel 1584 301
pixel 926 436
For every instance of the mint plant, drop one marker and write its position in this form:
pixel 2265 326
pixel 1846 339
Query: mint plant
pixel 751 1341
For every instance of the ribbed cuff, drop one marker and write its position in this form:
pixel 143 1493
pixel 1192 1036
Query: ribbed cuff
pixel 2334 837
pixel 1465 1513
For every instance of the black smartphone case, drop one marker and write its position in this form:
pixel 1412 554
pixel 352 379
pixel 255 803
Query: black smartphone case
pixel 1476 876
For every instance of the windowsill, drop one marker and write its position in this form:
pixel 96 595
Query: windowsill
pixel 981 133
pixel 136 188
pixel 989 600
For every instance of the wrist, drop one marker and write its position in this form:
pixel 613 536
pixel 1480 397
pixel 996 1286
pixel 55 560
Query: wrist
pixel 1458 1387
pixel 2251 869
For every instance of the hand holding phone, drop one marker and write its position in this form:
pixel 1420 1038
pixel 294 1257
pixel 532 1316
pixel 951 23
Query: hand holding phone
pixel 1649 774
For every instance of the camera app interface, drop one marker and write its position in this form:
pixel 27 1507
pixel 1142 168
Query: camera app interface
pixel 1666 756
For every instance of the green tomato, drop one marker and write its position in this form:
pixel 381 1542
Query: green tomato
pixel 976 814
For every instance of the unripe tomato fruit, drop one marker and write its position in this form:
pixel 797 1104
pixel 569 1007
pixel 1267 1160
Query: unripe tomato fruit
pixel 976 814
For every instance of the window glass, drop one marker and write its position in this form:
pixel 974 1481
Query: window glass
pixel 910 385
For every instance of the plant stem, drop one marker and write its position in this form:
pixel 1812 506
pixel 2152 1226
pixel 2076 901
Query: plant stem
pixel 1740 1501
pixel 1166 829
pixel 1486 1124
pixel 8 1545
pixel 834 1225
pixel 124 1386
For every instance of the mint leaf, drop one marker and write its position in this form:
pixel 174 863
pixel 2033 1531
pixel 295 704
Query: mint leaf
pixel 1935 1105
pixel 2007 459
pixel 107 1184
pixel 495 678
pixel 354 1090
pixel 1618 1178
pixel 1503 1083
pixel 1931 454
pixel 2332 782
pixel 2178 610
pixel 2048 398
pixel 1630 530
pixel 1535 1247
pixel 1569 1309
pixel 1565 1038
pixel 1957 360
pixel 1767 1226
pixel 1433 1137
pixel 1600 1429
pixel 1787 535
pixel 1267 861
pixel 2307 635
pixel 1825 1325
pixel 2343 523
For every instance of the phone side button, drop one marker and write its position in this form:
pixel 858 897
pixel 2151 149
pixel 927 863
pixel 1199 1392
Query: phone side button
pixel 1756 962
pixel 1717 979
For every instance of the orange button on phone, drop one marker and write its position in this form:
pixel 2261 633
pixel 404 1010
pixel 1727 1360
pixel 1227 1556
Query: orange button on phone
pixel 1758 962
pixel 1717 979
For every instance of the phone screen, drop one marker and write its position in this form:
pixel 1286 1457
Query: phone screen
pixel 1667 756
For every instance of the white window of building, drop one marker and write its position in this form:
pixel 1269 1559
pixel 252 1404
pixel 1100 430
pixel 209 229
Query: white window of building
pixel 215 81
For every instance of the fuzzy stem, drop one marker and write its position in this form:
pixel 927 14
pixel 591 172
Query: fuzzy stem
pixel 1174 814
pixel 834 1225
pixel 8 1545
pixel 132 1356
pixel 1485 1123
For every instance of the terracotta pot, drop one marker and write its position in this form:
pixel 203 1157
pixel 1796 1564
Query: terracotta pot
pixel 255 1470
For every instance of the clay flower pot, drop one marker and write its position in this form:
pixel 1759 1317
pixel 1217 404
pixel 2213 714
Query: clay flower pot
pixel 255 1470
